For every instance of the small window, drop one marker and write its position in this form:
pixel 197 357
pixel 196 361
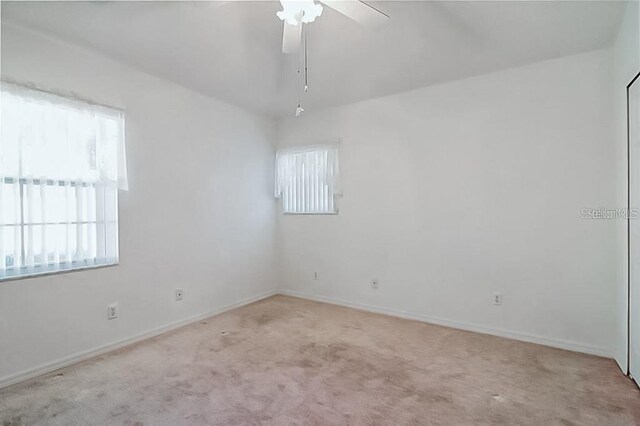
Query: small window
pixel 62 162
pixel 307 179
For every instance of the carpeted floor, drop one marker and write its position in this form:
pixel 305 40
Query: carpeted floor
pixel 285 361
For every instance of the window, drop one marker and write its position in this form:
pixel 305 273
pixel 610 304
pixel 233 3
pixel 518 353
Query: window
pixel 307 179
pixel 62 162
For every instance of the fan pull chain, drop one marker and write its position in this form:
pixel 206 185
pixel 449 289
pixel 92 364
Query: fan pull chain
pixel 299 109
pixel 306 68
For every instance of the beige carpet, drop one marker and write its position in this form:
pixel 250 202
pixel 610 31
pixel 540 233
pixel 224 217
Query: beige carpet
pixel 285 361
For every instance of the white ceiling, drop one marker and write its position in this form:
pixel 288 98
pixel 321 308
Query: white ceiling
pixel 232 50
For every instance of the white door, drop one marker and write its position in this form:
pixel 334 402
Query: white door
pixel 634 230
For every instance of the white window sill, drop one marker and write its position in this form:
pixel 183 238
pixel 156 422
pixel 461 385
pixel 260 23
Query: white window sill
pixel 43 270
pixel 310 214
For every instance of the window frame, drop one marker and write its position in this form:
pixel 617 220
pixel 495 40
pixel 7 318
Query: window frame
pixel 305 149
pixel 111 233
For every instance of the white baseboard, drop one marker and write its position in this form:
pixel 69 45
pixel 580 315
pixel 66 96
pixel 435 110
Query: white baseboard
pixel 82 356
pixel 516 335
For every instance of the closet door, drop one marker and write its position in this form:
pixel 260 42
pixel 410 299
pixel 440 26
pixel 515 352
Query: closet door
pixel 633 105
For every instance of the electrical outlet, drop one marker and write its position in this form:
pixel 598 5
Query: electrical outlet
pixel 179 294
pixel 112 311
pixel 315 276
pixel 374 284
pixel 497 298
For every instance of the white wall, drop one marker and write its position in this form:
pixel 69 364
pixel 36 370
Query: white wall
pixel 455 191
pixel 452 192
pixel 199 214
pixel 626 64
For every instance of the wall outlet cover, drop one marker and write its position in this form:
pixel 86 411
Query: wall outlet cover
pixel 497 298
pixel 112 311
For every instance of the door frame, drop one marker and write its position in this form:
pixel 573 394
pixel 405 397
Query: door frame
pixel 633 80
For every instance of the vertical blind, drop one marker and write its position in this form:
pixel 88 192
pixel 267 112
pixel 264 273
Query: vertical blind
pixel 62 162
pixel 308 179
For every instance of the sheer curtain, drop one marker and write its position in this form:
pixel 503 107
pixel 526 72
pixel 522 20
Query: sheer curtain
pixel 62 162
pixel 308 179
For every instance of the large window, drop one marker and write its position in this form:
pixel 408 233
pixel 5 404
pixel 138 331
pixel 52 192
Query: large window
pixel 62 162
pixel 308 179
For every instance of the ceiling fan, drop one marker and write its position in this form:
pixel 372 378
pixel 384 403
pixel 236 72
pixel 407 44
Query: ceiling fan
pixel 295 13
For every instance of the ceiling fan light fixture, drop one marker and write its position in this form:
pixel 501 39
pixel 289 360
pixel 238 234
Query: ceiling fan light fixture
pixel 296 11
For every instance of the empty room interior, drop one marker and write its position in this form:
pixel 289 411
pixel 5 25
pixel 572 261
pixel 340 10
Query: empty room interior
pixel 320 212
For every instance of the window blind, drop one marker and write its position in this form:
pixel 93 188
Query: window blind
pixel 307 179
pixel 62 162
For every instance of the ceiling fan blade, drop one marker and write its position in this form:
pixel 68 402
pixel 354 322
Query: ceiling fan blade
pixel 291 35
pixel 361 12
